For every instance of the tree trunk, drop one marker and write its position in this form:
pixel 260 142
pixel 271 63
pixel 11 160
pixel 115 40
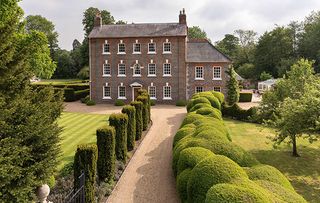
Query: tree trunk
pixel 294 146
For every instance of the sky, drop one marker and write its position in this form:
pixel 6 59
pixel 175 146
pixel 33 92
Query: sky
pixel 216 17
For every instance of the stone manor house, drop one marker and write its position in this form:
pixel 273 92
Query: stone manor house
pixel 158 57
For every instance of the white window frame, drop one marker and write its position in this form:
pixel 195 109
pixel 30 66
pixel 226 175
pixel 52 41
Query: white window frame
pixel 103 52
pixel 119 48
pixel 164 74
pixel 195 73
pixel 196 91
pixel 164 95
pixel 125 93
pixel 125 71
pixel 164 51
pixel 217 78
pixel 155 70
pixel 155 48
pixel 155 92
pixel 103 74
pixel 134 46
pixel 104 96
pixel 217 87
pixel 134 69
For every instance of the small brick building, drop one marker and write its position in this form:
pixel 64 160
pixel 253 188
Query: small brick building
pixel 158 57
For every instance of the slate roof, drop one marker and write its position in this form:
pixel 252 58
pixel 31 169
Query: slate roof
pixel 204 51
pixel 139 30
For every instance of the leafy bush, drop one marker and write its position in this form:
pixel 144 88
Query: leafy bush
pixel 219 96
pixel 152 102
pixel 145 111
pixel 76 87
pixel 182 184
pixel 245 97
pixel 119 102
pixel 209 172
pixel 199 100
pixel 198 106
pixel 69 95
pixel 238 113
pixel 106 153
pixel 81 94
pixel 120 123
pixel 91 103
pixel 85 160
pixel 212 112
pixel 215 103
pixel 269 173
pixel 85 99
pixel 131 131
pixel 181 103
pixel 84 73
pixel 139 122
pixel 182 132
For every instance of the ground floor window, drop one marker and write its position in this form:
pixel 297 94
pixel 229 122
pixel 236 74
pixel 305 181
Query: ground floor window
pixel 122 92
pixel 152 92
pixel 217 89
pixel 107 92
pixel 199 89
pixel 167 92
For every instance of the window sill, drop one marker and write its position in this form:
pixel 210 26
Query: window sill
pixel 217 79
pixel 151 76
pixel 167 75
pixel 152 52
pixel 167 52
pixel 122 98
pixel 121 53
pixel 136 53
pixel 167 98
pixel 136 76
pixel 199 79
pixel 121 76
pixel 106 98
pixel 106 76
pixel 153 98
pixel 106 53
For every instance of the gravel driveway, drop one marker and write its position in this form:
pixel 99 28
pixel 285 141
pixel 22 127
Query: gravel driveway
pixel 148 177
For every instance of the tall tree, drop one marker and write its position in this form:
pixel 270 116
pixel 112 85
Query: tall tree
pixel 196 32
pixel 29 139
pixel 229 45
pixel 247 41
pixel 41 24
pixel 65 65
pixel 232 86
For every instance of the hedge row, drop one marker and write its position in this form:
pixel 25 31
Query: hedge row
pixel 245 97
pixel 76 87
pixel 236 112
pixel 210 168
pixel 72 95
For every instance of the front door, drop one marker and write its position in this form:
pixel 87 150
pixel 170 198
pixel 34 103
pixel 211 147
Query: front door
pixel 135 92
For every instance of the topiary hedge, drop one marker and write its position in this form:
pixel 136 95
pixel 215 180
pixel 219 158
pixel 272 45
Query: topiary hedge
pixel 139 123
pixel 106 153
pixel 69 95
pixel 238 113
pixel 144 92
pixel 85 160
pixel 120 123
pixel 119 102
pixel 208 165
pixel 131 131
pixel 245 97
pixel 81 94
pixel 145 111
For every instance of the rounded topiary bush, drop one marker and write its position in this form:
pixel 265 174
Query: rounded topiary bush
pixel 199 106
pixel 281 193
pixel 269 173
pixel 212 133
pixel 212 99
pixel 219 96
pixel 182 184
pixel 218 127
pixel 209 172
pixel 191 156
pixel 199 100
pixel 190 118
pixel 210 111
pixel 225 193
pixel 182 132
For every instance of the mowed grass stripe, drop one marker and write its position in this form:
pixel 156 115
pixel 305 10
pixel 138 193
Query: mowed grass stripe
pixel 78 128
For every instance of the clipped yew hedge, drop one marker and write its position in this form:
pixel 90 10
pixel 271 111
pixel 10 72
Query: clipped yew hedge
pixel 120 122
pixel 145 110
pixel 106 153
pixel 139 122
pixel 245 97
pixel 210 168
pixel 85 160
pixel 131 130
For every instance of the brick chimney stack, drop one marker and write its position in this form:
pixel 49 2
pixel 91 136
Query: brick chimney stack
pixel 183 17
pixel 98 20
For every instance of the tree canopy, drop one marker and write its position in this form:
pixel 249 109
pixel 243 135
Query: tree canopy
pixel 196 32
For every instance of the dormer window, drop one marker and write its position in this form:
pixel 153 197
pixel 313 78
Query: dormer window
pixel 167 47
pixel 137 48
pixel 121 48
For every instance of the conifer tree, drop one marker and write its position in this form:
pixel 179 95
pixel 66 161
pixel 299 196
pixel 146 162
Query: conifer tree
pixel 232 86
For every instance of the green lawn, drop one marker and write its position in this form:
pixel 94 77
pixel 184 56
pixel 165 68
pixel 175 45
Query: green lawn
pixel 78 128
pixel 303 172
pixel 60 81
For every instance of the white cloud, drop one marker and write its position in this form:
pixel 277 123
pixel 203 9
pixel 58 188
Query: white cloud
pixel 216 17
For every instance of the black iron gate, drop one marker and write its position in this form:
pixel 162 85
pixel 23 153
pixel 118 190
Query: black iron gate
pixel 77 195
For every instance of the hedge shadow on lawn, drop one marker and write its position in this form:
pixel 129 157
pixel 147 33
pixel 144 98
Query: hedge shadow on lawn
pixel 303 172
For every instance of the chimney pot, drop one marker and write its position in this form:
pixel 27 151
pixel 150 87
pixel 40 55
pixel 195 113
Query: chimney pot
pixel 183 17
pixel 98 20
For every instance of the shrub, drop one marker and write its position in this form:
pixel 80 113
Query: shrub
pixel 219 96
pixel 85 99
pixel 139 122
pixel 182 184
pixel 210 111
pixel 152 102
pixel 191 156
pixel 236 112
pixel 199 100
pixel 84 73
pixel 106 153
pixel 143 92
pixel 120 123
pixel 212 99
pixel 69 95
pixel 85 160
pixel 182 132
pixel 225 193
pixel 269 173
pixel 209 172
pixel 81 94
pixel 245 97
pixel 91 103
pixel 181 103
pixel 119 102
pixel 131 131
pixel 145 112
pixel 199 106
